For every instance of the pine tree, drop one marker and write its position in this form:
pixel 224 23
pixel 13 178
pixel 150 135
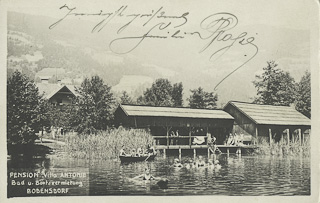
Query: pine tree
pixel 200 99
pixel 303 99
pixel 125 98
pixel 274 86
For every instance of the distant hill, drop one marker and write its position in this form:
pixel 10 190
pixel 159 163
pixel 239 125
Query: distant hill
pixel 71 46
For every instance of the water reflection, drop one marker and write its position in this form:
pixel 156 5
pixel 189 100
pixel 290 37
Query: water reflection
pixel 238 175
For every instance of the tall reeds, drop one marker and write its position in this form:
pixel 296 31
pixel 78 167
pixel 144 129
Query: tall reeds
pixel 283 148
pixel 107 144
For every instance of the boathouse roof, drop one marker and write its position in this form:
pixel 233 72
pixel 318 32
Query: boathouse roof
pixel 131 110
pixel 270 114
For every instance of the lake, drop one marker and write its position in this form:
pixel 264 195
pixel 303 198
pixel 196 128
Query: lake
pixel 239 175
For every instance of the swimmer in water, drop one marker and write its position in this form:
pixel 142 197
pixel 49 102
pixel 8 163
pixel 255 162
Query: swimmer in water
pixel 210 164
pixel 177 163
pixel 161 183
pixel 217 165
pixel 189 165
pixel 200 162
pixel 146 176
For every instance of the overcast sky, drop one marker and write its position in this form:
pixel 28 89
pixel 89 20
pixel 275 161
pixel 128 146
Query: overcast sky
pixel 279 30
pixel 289 13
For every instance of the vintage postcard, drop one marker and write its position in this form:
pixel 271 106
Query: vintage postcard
pixel 198 100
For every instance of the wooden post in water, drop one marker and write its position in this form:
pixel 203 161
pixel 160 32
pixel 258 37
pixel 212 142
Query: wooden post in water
pixel 288 136
pixel 228 151
pixel 164 153
pixel 238 150
pixel 208 153
pixel 207 136
pixel 167 137
pixel 270 136
pixel 256 136
pixel 299 131
pixel 179 153
pixel 190 137
pixel 194 153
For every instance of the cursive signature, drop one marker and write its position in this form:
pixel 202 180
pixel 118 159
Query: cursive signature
pixel 215 31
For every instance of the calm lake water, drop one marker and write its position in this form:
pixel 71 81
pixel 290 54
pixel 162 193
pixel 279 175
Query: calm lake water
pixel 239 175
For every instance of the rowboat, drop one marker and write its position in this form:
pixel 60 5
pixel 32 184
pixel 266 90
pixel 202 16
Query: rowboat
pixel 137 158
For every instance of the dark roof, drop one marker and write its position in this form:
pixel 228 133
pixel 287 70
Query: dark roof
pixel 271 115
pixel 49 90
pixel 131 110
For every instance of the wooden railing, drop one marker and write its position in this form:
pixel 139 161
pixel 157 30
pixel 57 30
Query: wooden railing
pixel 175 140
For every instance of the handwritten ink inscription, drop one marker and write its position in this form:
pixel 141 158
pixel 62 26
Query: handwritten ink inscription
pixel 213 29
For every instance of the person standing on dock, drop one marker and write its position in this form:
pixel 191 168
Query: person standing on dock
pixel 212 143
pixel 177 135
pixel 172 137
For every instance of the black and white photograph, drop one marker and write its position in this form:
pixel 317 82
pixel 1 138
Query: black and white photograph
pixel 205 99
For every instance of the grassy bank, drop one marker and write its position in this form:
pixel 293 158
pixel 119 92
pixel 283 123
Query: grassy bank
pixel 106 144
pixel 283 148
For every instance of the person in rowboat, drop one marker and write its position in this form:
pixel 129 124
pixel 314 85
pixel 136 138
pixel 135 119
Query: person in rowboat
pixel 133 153
pixel 139 151
pixel 122 151
pixel 150 150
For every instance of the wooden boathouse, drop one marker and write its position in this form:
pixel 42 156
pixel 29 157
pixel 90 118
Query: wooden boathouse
pixel 177 128
pixel 272 123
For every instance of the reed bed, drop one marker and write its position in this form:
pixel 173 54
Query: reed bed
pixel 283 148
pixel 106 144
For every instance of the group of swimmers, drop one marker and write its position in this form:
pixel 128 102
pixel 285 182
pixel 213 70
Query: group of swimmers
pixel 139 152
pixel 198 163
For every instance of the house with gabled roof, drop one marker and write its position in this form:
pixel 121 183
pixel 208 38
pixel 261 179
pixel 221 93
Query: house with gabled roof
pixel 268 121
pixel 57 94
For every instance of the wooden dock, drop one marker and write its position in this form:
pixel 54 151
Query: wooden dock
pixel 222 148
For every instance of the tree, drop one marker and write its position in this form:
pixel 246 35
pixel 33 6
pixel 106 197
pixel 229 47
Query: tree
pixel 177 94
pixel 274 86
pixel 162 93
pixel 125 98
pixel 303 97
pixel 200 99
pixel 25 109
pixel 61 116
pixel 94 106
